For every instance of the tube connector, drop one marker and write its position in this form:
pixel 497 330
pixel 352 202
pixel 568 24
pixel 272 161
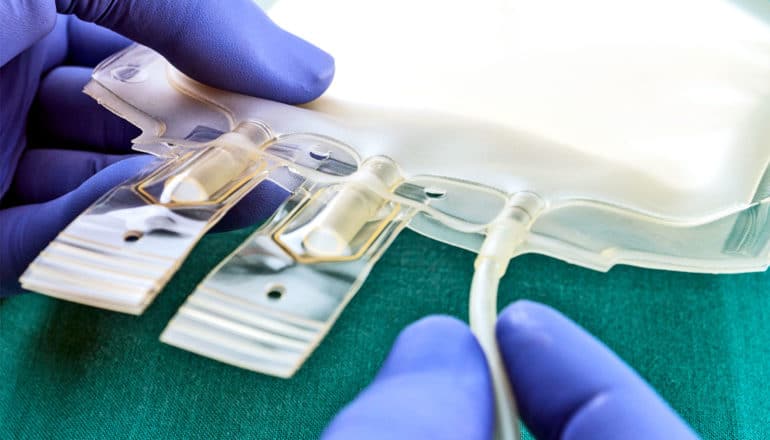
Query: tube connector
pixel 339 222
pixel 226 161
pixel 509 230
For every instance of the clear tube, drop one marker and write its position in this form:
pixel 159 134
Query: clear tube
pixel 504 236
pixel 483 315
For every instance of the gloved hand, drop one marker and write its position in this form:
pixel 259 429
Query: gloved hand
pixel 60 151
pixel 568 385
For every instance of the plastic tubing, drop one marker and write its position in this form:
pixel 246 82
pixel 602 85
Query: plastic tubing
pixel 504 236
pixel 483 315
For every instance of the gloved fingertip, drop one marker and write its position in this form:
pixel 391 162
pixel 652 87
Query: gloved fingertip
pixel 297 71
pixel 434 384
pixel 308 72
pixel 235 47
pixel 527 328
pixel 564 378
pixel 318 78
pixel 434 342
pixel 523 313
pixel 523 322
pixel 623 413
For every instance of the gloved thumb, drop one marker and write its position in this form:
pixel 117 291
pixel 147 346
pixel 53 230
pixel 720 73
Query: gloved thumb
pixel 25 230
pixel 231 45
pixel 568 385
pixel 434 384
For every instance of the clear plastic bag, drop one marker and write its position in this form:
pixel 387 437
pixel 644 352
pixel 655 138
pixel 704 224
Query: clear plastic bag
pixel 602 134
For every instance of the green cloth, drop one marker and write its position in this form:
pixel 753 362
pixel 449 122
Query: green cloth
pixel 70 371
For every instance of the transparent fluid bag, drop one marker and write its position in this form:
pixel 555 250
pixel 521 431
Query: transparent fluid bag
pixel 595 132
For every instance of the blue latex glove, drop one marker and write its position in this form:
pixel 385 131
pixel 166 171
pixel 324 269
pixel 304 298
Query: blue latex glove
pixel 568 385
pixel 60 151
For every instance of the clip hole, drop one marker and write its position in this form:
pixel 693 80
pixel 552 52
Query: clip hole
pixel 275 292
pixel 129 73
pixel 320 155
pixel 132 236
pixel 434 193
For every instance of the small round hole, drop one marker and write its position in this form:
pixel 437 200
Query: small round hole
pixel 275 292
pixel 435 193
pixel 129 73
pixel 132 236
pixel 319 155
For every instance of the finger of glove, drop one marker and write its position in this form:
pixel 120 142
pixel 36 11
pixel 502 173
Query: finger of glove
pixel 19 80
pixel 24 22
pixel 25 230
pixel 63 115
pixel 90 43
pixel 569 385
pixel 233 46
pixel 434 384
pixel 46 174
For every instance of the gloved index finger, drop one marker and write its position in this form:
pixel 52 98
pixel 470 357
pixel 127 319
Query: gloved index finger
pixel 568 385
pixel 23 24
pixel 434 385
pixel 231 45
pixel 64 117
pixel 89 43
